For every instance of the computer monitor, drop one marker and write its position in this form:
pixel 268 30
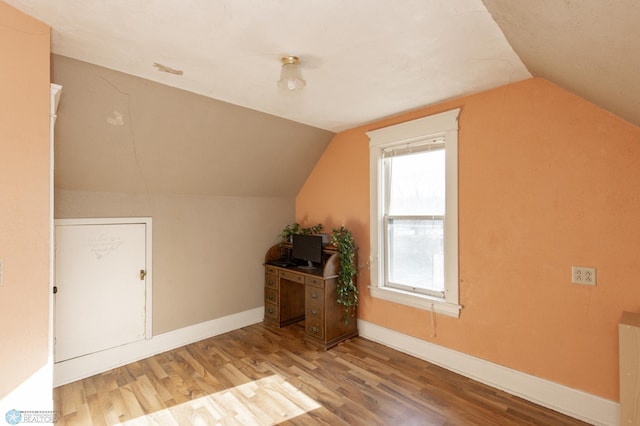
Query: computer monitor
pixel 307 248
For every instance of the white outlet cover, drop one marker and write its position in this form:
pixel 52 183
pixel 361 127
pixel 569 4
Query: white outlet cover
pixel 583 275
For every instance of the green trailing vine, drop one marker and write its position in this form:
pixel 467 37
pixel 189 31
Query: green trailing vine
pixel 345 244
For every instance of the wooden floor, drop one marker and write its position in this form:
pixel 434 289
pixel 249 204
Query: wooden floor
pixel 262 376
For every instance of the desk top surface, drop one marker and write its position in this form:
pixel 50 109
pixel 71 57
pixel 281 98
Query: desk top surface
pixel 317 272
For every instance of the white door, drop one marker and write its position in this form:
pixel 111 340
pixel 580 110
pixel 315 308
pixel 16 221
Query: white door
pixel 100 280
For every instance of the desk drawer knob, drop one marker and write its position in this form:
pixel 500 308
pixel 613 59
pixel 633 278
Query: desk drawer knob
pixel 314 312
pixel 314 295
pixel 271 310
pixel 271 296
pixel 314 330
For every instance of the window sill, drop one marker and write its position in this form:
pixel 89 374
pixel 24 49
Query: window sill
pixel 420 301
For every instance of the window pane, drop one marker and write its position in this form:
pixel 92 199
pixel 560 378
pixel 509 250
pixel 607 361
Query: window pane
pixel 417 183
pixel 416 253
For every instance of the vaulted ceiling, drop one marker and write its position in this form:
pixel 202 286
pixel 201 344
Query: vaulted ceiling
pixel 363 60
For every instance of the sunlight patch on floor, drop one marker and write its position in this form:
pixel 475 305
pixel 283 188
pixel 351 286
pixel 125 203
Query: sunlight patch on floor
pixel 267 401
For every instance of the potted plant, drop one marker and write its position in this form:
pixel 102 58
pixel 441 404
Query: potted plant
pixel 347 290
pixel 296 228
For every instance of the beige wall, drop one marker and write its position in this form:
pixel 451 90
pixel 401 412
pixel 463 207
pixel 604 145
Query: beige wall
pixel 24 199
pixel 207 250
pixel 218 180
pixel 120 133
pixel 547 181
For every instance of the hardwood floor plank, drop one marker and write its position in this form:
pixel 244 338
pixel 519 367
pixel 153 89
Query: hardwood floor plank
pixel 184 385
pixel 118 408
pixel 133 407
pixel 153 364
pixel 260 375
pixel 70 399
pixel 122 376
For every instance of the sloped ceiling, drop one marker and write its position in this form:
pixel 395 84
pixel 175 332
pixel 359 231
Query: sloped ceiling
pixel 363 59
pixel 589 47
pixel 123 134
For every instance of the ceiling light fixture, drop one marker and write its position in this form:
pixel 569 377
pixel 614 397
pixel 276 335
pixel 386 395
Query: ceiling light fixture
pixel 290 74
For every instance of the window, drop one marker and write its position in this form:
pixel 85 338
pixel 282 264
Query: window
pixel 414 213
pixel 413 217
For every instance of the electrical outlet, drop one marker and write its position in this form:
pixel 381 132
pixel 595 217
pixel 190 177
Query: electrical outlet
pixel 583 275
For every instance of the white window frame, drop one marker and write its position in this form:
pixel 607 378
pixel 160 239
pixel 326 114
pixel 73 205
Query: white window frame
pixel 443 125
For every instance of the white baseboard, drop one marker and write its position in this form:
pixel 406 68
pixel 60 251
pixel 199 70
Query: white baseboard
pixel 572 402
pixel 79 368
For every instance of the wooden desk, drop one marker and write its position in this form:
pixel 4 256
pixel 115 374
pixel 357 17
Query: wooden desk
pixel 294 294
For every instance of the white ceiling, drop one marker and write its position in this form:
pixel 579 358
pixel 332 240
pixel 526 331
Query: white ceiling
pixel 363 59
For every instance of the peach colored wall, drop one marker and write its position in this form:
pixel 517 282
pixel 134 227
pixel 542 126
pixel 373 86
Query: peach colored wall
pixel 24 197
pixel 546 181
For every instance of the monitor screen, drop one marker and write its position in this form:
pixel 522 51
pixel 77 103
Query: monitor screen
pixel 308 248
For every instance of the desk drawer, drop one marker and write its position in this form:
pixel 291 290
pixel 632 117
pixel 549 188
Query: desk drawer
pixel 271 312
pixel 314 328
pixel 314 312
pixel 270 269
pixel 271 281
pixel 314 295
pixel 316 282
pixel 270 295
pixel 292 276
